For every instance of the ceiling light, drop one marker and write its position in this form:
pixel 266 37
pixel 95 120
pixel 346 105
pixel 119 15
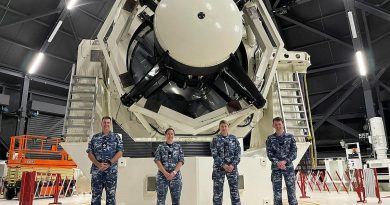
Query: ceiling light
pixel 55 31
pixel 361 63
pixel 352 24
pixel 36 63
pixel 70 4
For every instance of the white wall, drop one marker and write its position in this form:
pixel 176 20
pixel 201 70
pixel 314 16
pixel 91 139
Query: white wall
pixel 197 182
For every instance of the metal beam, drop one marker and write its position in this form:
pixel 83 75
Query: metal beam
pixel 357 42
pixel 51 82
pixel 88 2
pixel 343 127
pixel 367 31
pixel 370 55
pixel 53 96
pixel 48 107
pixel 381 71
pixel 380 37
pixel 334 91
pixel 380 105
pixel 271 12
pixel 2 141
pixel 20 70
pixel 35 20
pixel 46 43
pixel 315 44
pixel 61 17
pixel 276 4
pixel 340 116
pixel 91 15
pixel 289 4
pixel 378 76
pixel 310 45
pixel 329 138
pixel 314 30
pixel 320 92
pixel 314 20
pixel 387 88
pixel 30 18
pixel 372 9
pixel 384 2
pixel 34 49
pixel 93 36
pixel 60 58
pixel 11 73
pixel 356 83
pixel 75 35
pixel 315 70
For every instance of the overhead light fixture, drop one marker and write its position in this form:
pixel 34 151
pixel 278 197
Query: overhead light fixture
pixel 342 143
pixel 352 24
pixel 70 4
pixel 361 63
pixel 55 31
pixel 36 63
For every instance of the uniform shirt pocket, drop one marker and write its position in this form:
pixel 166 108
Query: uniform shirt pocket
pixel 175 155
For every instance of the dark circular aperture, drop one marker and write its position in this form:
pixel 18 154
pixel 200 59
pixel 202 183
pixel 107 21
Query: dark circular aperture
pixel 201 15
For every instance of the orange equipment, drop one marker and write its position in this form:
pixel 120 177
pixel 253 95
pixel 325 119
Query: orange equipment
pixel 42 154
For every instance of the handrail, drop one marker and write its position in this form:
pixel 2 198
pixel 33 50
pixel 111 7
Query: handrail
pixel 22 146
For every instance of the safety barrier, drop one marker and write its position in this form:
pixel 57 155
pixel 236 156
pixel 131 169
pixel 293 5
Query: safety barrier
pixel 363 181
pixel 27 188
pixel 43 185
pixel 56 190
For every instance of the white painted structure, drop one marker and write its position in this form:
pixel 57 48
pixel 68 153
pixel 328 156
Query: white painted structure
pixel 197 182
pixel 264 58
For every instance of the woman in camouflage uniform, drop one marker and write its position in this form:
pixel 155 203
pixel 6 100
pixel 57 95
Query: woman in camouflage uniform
pixel 169 158
pixel 226 152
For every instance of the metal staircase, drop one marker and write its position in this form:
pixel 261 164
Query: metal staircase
pixel 292 105
pixel 80 109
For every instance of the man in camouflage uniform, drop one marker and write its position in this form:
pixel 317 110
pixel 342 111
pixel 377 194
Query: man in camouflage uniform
pixel 226 152
pixel 169 158
pixel 104 150
pixel 282 151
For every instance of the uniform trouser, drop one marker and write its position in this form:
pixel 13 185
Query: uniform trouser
pixel 289 179
pixel 103 180
pixel 174 185
pixel 218 181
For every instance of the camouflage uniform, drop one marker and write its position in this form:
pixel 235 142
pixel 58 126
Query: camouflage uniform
pixel 225 150
pixel 169 155
pixel 282 148
pixel 104 148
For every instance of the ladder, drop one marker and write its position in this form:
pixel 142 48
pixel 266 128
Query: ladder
pixel 292 105
pixel 80 108
pixel 12 175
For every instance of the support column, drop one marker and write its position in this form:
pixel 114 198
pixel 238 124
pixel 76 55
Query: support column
pixel 378 135
pixel 21 128
pixel 358 46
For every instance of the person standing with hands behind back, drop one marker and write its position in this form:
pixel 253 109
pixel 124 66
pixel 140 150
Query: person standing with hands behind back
pixel 282 151
pixel 169 159
pixel 104 150
pixel 226 152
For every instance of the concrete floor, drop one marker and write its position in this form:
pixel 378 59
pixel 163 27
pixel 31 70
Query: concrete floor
pixel 75 200
pixel 315 199
pixel 339 199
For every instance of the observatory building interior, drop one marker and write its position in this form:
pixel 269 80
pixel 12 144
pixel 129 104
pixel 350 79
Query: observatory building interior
pixel 156 101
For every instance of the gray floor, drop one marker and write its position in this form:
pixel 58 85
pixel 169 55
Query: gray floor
pixel 323 198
